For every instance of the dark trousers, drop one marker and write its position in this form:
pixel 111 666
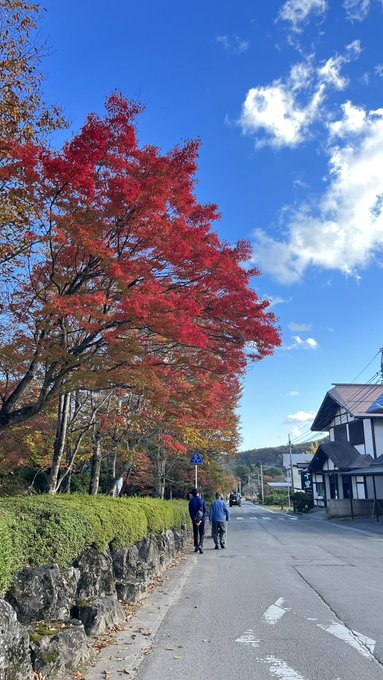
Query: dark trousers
pixel 219 532
pixel 198 533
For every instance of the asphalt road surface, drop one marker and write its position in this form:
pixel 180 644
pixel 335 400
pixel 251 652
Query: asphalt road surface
pixel 291 598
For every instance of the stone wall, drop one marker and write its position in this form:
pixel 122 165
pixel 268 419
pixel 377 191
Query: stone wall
pixel 49 613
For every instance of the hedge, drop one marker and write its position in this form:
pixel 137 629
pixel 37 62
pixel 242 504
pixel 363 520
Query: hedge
pixel 56 529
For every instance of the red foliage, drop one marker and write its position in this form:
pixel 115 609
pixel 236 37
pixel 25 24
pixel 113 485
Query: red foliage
pixel 127 284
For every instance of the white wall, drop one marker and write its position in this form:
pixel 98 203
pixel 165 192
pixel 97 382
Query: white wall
pixel 368 438
pixel 378 429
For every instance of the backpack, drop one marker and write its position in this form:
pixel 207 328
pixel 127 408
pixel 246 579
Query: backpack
pixel 199 516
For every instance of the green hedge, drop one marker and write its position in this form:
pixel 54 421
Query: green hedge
pixel 46 529
pixel 277 497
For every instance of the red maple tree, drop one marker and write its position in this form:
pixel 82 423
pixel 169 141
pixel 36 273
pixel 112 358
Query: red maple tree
pixel 125 283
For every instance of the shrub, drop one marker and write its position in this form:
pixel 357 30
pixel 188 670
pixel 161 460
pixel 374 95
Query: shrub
pixel 302 501
pixel 277 497
pixel 46 529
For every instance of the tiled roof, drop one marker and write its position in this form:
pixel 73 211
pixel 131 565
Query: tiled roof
pixel 296 458
pixel 356 399
pixel 343 455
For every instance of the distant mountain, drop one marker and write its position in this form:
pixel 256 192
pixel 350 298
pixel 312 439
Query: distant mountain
pixel 268 456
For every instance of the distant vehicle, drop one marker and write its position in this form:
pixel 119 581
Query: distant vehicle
pixel 235 499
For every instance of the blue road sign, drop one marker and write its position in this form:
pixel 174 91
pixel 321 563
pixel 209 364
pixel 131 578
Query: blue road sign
pixel 196 459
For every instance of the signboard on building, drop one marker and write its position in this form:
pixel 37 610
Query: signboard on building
pixel 306 481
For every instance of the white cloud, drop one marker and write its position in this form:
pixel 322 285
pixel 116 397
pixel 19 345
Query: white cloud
pixel 296 432
pixel 353 121
pixel 301 417
pixel 305 344
pixel 356 10
pixel 283 112
pixel 297 12
pixel 349 215
pixel 293 393
pixel 379 70
pixel 299 327
pixel 301 343
pixel 278 300
pixel 233 44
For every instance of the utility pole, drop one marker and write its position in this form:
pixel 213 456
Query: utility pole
pixel 262 492
pixel 291 467
pixel 381 364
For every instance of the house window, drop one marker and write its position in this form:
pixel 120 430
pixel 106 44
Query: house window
pixel 340 433
pixel 360 488
pixel 319 488
pixel 356 432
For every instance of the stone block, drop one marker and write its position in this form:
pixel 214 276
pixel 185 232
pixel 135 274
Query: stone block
pixel 99 615
pixel 131 591
pixel 39 593
pixel 58 648
pixel 15 660
pixel 96 575
pixel 125 562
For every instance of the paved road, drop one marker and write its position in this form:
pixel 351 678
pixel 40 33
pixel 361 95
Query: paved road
pixel 292 598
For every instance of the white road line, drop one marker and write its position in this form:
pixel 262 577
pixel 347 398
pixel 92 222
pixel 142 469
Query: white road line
pixel 364 645
pixel 248 639
pixel 280 669
pixel 274 612
pixel 239 518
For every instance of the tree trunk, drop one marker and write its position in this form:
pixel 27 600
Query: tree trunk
pixel 96 463
pixel 66 480
pixel 112 479
pixel 160 474
pixel 60 439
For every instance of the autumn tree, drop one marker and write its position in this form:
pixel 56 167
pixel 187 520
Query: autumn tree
pixel 126 283
pixel 24 117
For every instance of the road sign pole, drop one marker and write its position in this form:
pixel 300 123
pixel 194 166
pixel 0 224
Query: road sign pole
pixel 196 476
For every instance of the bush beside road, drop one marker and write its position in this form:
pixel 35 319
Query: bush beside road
pixel 55 529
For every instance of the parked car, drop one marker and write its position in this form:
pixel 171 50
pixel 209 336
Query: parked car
pixel 235 499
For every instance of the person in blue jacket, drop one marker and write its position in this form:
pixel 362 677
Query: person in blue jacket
pixel 219 513
pixel 198 514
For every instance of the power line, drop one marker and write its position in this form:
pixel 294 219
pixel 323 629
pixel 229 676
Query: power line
pixel 370 362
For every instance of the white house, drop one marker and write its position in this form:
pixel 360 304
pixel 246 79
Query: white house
pixel 297 464
pixel 347 471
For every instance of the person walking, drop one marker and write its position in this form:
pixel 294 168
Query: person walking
pixel 219 513
pixel 198 514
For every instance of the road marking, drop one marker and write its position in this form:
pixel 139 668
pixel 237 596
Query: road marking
pixel 364 645
pixel 280 669
pixel 274 612
pixel 248 639
pixel 239 518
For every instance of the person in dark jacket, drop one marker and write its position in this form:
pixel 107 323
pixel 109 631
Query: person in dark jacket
pixel 219 513
pixel 198 514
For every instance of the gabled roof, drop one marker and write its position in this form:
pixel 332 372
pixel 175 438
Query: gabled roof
pixel 343 455
pixel 372 471
pixel 296 458
pixel 361 401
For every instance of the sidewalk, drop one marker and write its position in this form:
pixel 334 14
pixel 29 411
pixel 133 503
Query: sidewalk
pixel 366 524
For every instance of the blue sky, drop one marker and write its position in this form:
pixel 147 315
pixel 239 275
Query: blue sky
pixel 287 99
